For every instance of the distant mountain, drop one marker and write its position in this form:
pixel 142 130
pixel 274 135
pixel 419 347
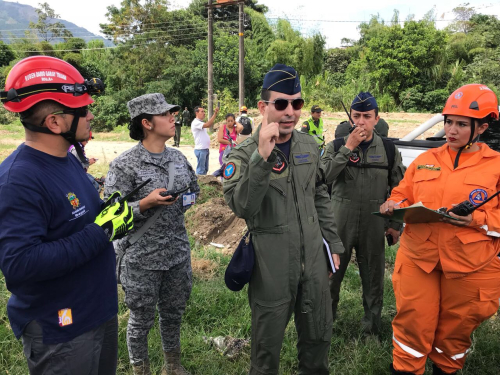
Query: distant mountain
pixel 15 18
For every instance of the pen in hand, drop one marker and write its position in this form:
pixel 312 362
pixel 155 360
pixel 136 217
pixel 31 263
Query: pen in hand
pixel 397 204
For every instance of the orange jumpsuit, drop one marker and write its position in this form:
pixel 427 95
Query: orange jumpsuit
pixel 446 278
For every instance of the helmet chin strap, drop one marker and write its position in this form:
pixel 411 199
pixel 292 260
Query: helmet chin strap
pixel 469 144
pixel 70 135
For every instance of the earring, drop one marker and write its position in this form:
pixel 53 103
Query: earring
pixel 150 128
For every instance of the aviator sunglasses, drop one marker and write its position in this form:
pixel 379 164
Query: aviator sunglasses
pixel 282 104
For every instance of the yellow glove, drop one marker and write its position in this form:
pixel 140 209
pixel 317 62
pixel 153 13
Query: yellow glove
pixel 112 199
pixel 116 220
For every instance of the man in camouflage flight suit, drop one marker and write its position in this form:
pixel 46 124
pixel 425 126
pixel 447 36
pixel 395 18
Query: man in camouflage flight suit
pixel 273 181
pixel 155 271
pixel 359 171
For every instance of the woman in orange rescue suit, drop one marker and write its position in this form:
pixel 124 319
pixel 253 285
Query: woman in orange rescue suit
pixel 447 274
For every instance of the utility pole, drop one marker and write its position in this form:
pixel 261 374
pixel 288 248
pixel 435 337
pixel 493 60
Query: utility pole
pixel 210 61
pixel 242 56
pixel 210 6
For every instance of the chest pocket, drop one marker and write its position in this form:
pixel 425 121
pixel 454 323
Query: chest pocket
pixel 304 165
pixel 181 175
pixel 423 179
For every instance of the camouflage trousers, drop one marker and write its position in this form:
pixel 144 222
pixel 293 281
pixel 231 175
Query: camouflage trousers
pixel 147 290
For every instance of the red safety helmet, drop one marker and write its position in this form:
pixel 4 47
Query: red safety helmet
pixel 39 78
pixel 474 100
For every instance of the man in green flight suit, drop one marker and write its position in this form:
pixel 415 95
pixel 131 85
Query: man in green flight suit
pixel 273 180
pixel 314 125
pixel 382 128
pixel 359 168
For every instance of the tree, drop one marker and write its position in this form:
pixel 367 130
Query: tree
pixel 6 54
pixel 46 29
pixel 399 56
pixel 463 15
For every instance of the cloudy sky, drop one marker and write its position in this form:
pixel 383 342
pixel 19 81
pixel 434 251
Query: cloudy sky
pixel 327 17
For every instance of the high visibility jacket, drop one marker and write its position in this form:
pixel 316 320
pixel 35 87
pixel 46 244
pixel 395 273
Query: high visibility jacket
pixel 431 179
pixel 316 131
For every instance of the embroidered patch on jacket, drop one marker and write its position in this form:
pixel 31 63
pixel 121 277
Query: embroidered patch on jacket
pixel 75 202
pixel 354 157
pixel 229 170
pixel 65 317
pixel 302 158
pixel 478 196
pixel 280 165
pixel 429 167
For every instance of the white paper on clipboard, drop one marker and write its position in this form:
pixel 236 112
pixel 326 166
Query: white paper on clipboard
pixel 329 255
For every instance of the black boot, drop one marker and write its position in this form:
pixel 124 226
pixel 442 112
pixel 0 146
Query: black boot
pixel 395 372
pixel 437 371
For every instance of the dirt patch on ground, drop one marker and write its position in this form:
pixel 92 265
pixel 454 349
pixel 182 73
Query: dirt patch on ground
pixel 203 268
pixel 210 220
pixel 213 221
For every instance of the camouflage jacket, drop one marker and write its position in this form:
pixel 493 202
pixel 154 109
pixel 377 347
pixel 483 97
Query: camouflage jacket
pixel 165 243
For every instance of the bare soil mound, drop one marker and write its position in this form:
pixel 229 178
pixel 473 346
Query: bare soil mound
pixel 213 221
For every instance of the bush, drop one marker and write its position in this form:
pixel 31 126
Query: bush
pixel 411 99
pixel 434 101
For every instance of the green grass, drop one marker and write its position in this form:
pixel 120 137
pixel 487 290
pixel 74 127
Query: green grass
pixel 13 130
pixel 213 310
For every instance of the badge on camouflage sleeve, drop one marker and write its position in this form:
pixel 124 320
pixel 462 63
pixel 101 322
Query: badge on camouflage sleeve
pixel 110 179
pixel 230 170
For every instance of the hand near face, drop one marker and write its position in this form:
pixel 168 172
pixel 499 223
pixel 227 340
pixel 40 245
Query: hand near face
pixel 269 133
pixel 357 136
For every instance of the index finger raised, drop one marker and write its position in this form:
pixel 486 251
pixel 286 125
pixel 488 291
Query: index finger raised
pixel 264 116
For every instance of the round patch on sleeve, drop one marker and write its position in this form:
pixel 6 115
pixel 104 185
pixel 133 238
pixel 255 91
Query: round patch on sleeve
pixel 229 170
pixel 110 179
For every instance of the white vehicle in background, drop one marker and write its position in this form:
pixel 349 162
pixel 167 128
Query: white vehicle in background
pixel 410 147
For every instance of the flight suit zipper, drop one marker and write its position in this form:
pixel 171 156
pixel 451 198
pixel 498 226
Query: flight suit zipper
pixel 294 190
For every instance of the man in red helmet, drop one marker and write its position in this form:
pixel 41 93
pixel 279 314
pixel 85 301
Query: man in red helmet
pixel 55 239
pixel 447 274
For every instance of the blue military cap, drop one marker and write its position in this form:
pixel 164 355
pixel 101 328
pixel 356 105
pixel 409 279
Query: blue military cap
pixel 282 78
pixel 240 268
pixel 364 102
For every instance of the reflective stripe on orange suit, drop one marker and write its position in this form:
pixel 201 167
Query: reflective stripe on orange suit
pixel 446 278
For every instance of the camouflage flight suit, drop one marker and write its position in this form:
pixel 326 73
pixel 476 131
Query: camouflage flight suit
pixel 356 193
pixel 155 270
pixel 288 211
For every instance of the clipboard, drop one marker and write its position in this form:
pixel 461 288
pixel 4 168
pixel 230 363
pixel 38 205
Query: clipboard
pixel 415 214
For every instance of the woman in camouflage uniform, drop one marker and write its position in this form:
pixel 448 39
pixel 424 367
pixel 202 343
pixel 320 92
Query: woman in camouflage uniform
pixel 154 262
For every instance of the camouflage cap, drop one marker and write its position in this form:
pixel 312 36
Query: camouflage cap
pixel 151 104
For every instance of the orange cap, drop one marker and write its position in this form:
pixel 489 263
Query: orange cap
pixel 474 100
pixel 243 109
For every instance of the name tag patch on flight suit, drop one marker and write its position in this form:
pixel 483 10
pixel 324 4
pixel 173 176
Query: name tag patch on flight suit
pixel 354 157
pixel 478 196
pixel 280 165
pixel 229 170
pixel 304 158
pixel 430 167
pixel 146 173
